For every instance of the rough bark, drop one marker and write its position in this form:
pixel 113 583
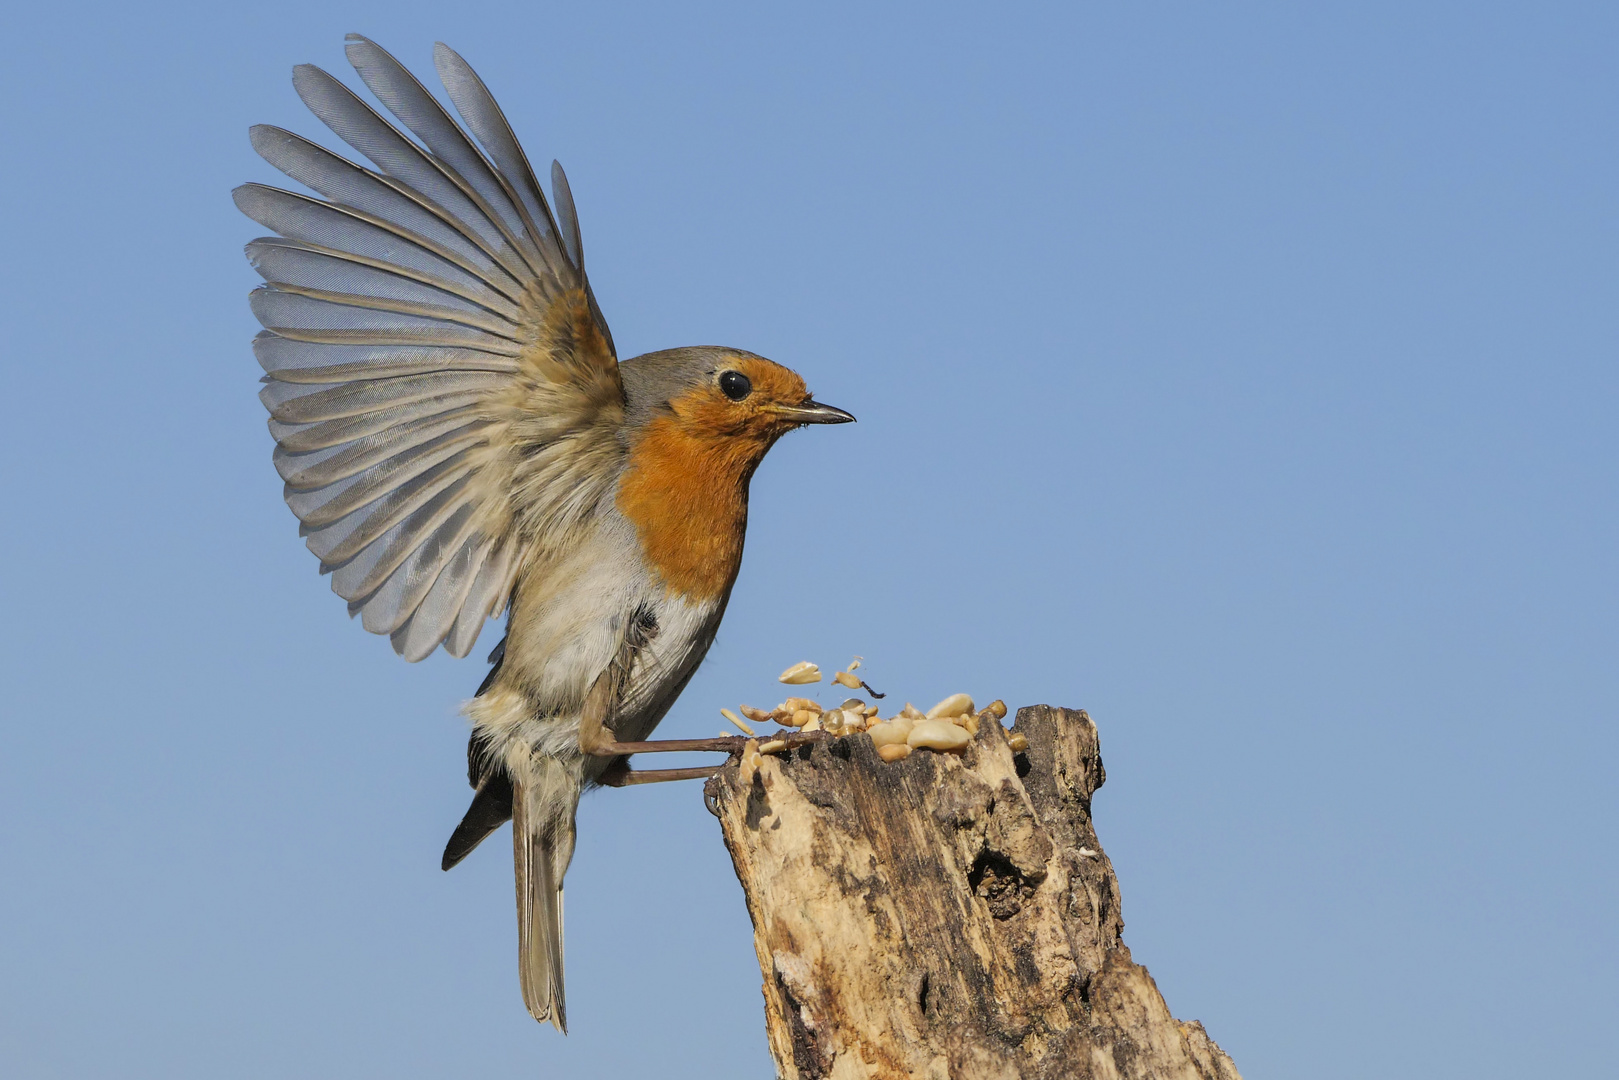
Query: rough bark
pixel 946 916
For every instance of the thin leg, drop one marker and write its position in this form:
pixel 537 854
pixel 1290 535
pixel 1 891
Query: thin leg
pixel 725 744
pixel 620 774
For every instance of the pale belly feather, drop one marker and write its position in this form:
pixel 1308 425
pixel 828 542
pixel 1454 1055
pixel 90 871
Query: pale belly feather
pixel 566 628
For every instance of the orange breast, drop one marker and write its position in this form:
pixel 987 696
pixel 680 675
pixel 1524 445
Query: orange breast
pixel 688 495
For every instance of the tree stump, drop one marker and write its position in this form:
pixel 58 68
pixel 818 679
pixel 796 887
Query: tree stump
pixel 947 917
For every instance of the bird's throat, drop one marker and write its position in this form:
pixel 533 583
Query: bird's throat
pixel 687 494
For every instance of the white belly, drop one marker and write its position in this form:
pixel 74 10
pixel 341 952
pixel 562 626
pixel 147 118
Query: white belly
pixel 567 625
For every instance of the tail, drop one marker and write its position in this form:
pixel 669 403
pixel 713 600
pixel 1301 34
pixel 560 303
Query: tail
pixel 542 846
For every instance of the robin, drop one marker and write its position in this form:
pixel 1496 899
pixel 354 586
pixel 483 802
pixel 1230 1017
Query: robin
pixel 459 440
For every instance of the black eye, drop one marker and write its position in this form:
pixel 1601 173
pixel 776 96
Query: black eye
pixel 735 385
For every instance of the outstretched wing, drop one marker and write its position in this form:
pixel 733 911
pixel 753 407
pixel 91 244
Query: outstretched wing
pixel 443 391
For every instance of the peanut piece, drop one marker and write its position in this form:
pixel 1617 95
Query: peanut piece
pixel 938 735
pixel 890 732
pixel 801 673
pixel 954 705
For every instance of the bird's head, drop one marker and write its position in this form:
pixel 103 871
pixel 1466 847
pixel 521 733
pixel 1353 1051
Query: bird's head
pixel 723 396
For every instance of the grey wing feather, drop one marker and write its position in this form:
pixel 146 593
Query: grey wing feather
pixel 296 438
pixel 357 124
pixel 342 181
pixel 425 118
pixel 306 403
pixel 435 616
pixel 486 586
pixel 318 468
pixel 336 533
pixel 563 194
pixel 286 360
pixel 486 120
pixel 287 264
pixel 298 217
pixel 399 309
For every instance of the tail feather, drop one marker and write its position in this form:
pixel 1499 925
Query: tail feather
pixel 542 847
pixel 491 808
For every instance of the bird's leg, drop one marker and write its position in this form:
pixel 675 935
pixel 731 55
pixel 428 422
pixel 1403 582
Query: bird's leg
pixel 596 739
pixel 619 774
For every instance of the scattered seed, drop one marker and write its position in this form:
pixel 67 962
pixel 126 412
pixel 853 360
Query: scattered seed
pixel 801 673
pixel 890 732
pixel 949 726
pixel 937 735
pixel 967 721
pixel 856 665
pixel 1018 741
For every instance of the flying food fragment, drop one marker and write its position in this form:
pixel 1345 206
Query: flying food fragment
pixel 732 717
pixel 800 674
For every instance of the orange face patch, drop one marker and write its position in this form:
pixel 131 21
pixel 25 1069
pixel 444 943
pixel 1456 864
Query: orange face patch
pixel 707 411
pixel 686 487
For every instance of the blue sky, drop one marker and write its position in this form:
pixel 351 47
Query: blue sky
pixel 1243 375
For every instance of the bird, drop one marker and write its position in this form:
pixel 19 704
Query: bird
pixel 459 441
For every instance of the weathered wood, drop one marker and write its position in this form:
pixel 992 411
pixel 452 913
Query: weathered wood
pixel 944 916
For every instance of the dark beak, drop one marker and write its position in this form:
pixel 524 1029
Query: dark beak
pixel 813 412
